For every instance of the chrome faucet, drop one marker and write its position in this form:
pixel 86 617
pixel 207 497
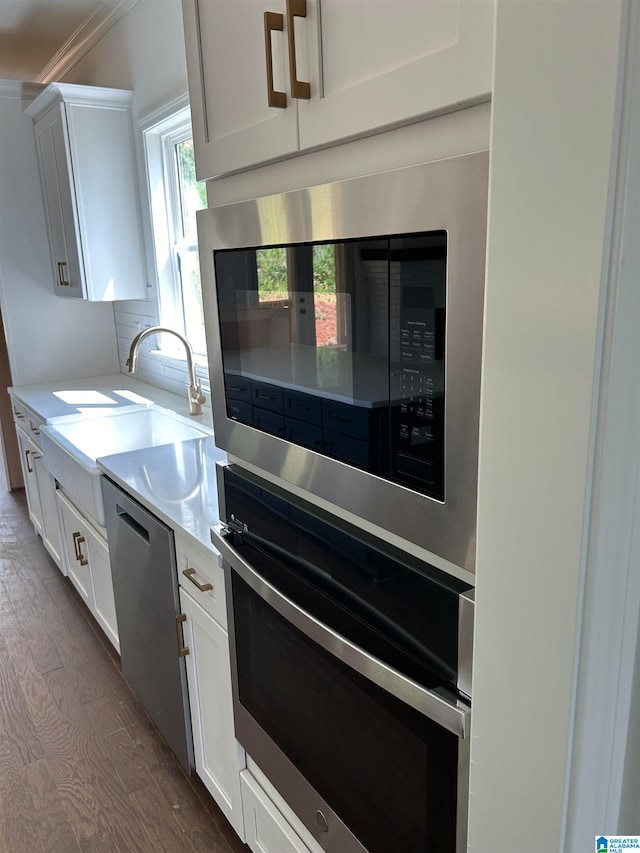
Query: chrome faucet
pixel 196 397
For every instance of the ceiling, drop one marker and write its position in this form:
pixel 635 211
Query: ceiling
pixel 33 31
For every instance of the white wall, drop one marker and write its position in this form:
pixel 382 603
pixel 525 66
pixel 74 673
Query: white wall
pixel 556 71
pixel 48 337
pixel 144 51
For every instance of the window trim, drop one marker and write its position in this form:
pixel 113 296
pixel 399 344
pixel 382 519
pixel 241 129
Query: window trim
pixel 160 130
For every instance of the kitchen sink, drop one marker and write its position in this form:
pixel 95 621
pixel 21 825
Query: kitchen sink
pixel 71 445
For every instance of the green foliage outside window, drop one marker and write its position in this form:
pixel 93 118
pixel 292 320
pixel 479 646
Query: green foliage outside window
pixel 272 271
pixel 187 167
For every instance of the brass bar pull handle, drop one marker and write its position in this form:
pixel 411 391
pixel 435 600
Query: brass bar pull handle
pixel 61 278
pixel 203 587
pixel 78 539
pixel 183 651
pixel 299 89
pixel 81 556
pixel 273 21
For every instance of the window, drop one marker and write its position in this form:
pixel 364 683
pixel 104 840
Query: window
pixel 175 196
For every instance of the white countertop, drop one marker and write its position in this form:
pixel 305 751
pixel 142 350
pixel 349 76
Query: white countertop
pixel 176 482
pixel 96 395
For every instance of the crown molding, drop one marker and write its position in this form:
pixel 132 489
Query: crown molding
pixel 71 93
pixel 19 90
pixel 84 38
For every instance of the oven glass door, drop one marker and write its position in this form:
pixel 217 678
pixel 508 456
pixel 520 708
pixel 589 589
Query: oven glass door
pixel 388 772
pixel 340 347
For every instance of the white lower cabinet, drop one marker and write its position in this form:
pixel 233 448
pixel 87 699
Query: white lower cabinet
pixel 50 527
pixel 28 454
pixel 86 555
pixel 40 489
pixel 219 757
pixel 267 830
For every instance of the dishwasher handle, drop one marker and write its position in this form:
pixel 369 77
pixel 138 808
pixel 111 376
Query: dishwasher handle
pixel 131 522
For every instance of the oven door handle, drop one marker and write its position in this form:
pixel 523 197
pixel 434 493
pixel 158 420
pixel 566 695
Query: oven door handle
pixel 450 713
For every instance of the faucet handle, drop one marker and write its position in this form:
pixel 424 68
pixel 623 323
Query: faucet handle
pixel 195 394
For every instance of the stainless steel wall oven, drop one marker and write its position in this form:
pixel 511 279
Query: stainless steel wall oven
pixel 344 330
pixel 351 673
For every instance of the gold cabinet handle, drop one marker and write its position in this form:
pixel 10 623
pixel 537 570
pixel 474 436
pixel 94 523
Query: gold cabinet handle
pixel 61 278
pixel 183 651
pixel 78 539
pixel 81 557
pixel 273 21
pixel 203 587
pixel 76 536
pixel 296 9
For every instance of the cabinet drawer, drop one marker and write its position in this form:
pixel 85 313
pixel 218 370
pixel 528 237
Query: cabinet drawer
pixel 200 572
pixel 26 420
pixel 19 411
pixel 266 829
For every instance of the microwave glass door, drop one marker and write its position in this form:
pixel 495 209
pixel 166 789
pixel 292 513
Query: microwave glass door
pixel 340 347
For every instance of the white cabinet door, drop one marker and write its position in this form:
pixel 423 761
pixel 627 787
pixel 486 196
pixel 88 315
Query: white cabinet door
pixel 40 486
pixel 219 757
pixel 56 190
pixel 74 542
pixel 369 65
pixel 88 566
pixel 47 493
pixel 104 606
pixel 388 62
pixel 28 455
pixel 233 124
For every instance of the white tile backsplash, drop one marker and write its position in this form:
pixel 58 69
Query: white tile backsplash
pixel 131 317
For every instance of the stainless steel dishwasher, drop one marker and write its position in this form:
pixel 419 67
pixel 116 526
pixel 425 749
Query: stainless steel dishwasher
pixel 145 587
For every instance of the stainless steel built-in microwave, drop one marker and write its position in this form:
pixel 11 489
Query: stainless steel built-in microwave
pixel 344 330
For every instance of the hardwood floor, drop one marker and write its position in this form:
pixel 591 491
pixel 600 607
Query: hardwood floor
pixel 81 766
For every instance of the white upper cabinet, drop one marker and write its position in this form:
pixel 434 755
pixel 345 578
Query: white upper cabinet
pixel 84 142
pixel 331 69
pixel 384 63
pixel 233 124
